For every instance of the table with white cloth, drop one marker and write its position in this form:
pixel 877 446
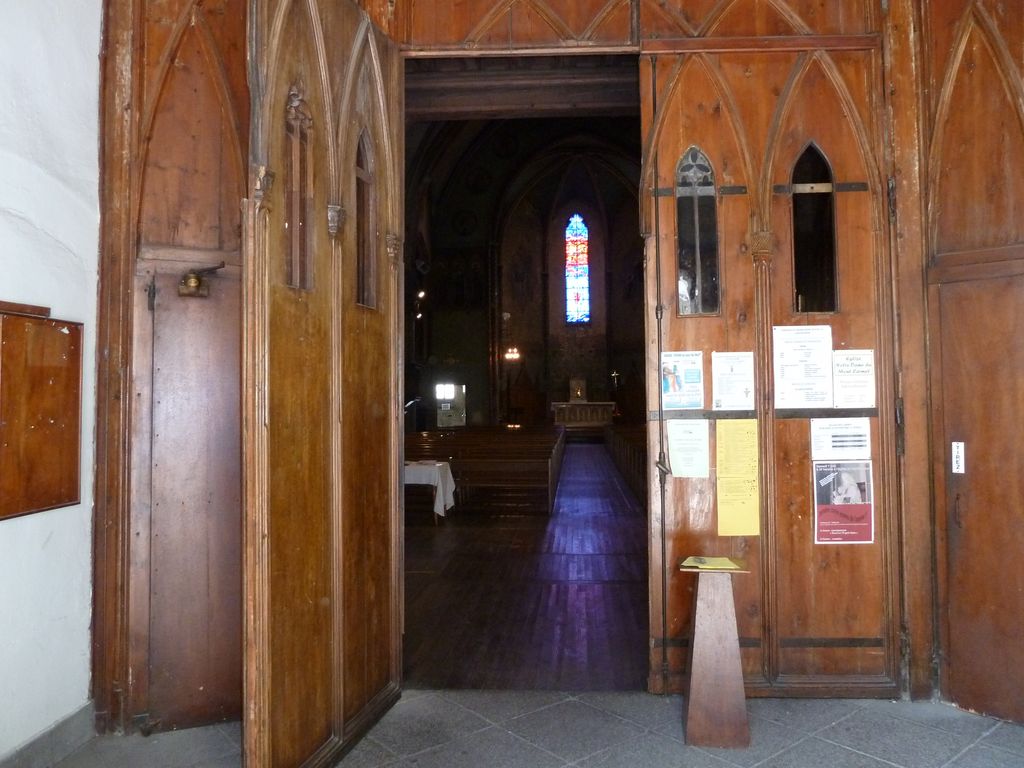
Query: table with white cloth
pixel 437 474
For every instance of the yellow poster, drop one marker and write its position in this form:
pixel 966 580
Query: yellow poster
pixel 738 493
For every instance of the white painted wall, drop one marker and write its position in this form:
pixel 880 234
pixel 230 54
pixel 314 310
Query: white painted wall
pixel 49 230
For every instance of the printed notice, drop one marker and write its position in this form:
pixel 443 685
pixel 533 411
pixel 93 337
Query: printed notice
pixel 840 439
pixel 803 366
pixel 682 380
pixel 736 471
pixel 959 460
pixel 853 378
pixel 689 447
pixel 732 381
pixel 844 508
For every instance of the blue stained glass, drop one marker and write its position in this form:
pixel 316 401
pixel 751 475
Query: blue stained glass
pixel 577 271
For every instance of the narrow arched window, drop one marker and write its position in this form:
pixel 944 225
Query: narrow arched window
pixel 577 271
pixel 698 278
pixel 299 191
pixel 814 234
pixel 366 225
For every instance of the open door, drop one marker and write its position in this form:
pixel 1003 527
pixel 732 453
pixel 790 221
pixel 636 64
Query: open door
pixel 765 200
pixel 321 383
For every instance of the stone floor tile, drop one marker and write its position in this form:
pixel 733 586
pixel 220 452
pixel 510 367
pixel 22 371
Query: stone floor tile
pixel 1008 736
pixel 644 709
pixel 573 730
pixel 806 715
pixel 815 753
pixel 899 740
pixel 493 747
pixel 368 754
pixel 981 756
pixel 172 749
pixel 500 706
pixel 935 714
pixel 651 750
pixel 419 723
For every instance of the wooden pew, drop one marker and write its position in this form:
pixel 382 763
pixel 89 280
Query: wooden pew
pixel 627 445
pixel 520 466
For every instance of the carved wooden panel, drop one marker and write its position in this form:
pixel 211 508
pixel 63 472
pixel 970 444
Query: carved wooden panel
pixel 976 69
pixel 758 18
pixel 752 115
pixel 509 25
pixel 194 120
pixel 321 391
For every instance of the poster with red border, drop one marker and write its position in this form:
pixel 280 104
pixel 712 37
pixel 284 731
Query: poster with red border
pixel 844 506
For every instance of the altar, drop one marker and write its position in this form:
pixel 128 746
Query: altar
pixel 583 417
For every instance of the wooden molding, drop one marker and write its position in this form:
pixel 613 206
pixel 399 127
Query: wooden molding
pixel 11 308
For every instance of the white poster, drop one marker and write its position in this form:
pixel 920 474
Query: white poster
pixel 689 447
pixel 853 378
pixel 803 366
pixel 732 381
pixel 682 380
pixel 840 439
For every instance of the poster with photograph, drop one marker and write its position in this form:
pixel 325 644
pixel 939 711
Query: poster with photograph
pixel 844 504
pixel 682 380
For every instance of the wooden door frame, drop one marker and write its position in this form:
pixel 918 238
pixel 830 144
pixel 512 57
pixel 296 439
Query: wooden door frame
pixel 119 196
pixel 119 201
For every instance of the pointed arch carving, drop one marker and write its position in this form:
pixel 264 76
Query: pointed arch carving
pixel 191 25
pixel 721 15
pixel 870 162
pixel 976 25
pixel 668 96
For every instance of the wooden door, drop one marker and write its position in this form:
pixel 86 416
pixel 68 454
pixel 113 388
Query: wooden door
pixel 982 390
pixel 741 138
pixel 322 382
pixel 195 537
pixel 975 272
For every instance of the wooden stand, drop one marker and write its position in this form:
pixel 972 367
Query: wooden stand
pixel 715 713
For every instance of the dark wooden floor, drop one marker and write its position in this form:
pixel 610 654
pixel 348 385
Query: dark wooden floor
pixel 526 601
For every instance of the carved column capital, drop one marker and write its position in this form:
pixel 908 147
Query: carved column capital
pixel 335 219
pixel 761 247
pixel 394 246
pixel 262 183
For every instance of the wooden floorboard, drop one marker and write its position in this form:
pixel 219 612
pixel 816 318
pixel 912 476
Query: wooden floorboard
pixel 524 601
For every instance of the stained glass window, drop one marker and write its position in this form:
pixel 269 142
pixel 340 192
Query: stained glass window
pixel 577 271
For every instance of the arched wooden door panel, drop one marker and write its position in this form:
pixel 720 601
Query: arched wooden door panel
pixel 322 592
pixel 976 294
pixel 814 618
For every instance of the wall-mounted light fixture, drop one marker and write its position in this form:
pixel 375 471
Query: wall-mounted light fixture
pixel 512 354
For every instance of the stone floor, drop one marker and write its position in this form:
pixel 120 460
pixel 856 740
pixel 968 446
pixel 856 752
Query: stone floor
pixel 537 729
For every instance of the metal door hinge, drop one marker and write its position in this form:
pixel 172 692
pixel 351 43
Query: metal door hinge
pixel 151 295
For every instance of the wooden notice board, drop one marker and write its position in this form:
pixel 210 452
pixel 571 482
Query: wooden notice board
pixel 40 412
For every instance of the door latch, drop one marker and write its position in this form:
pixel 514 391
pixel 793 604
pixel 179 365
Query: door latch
pixel 192 282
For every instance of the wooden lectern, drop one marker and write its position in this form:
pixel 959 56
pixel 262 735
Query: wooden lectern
pixel 715 711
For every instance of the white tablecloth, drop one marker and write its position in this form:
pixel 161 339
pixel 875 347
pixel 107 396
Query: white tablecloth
pixel 437 474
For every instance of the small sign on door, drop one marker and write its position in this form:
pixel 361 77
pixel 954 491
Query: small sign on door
pixel 959 460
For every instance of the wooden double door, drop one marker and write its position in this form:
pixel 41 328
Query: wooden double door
pixel 765 199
